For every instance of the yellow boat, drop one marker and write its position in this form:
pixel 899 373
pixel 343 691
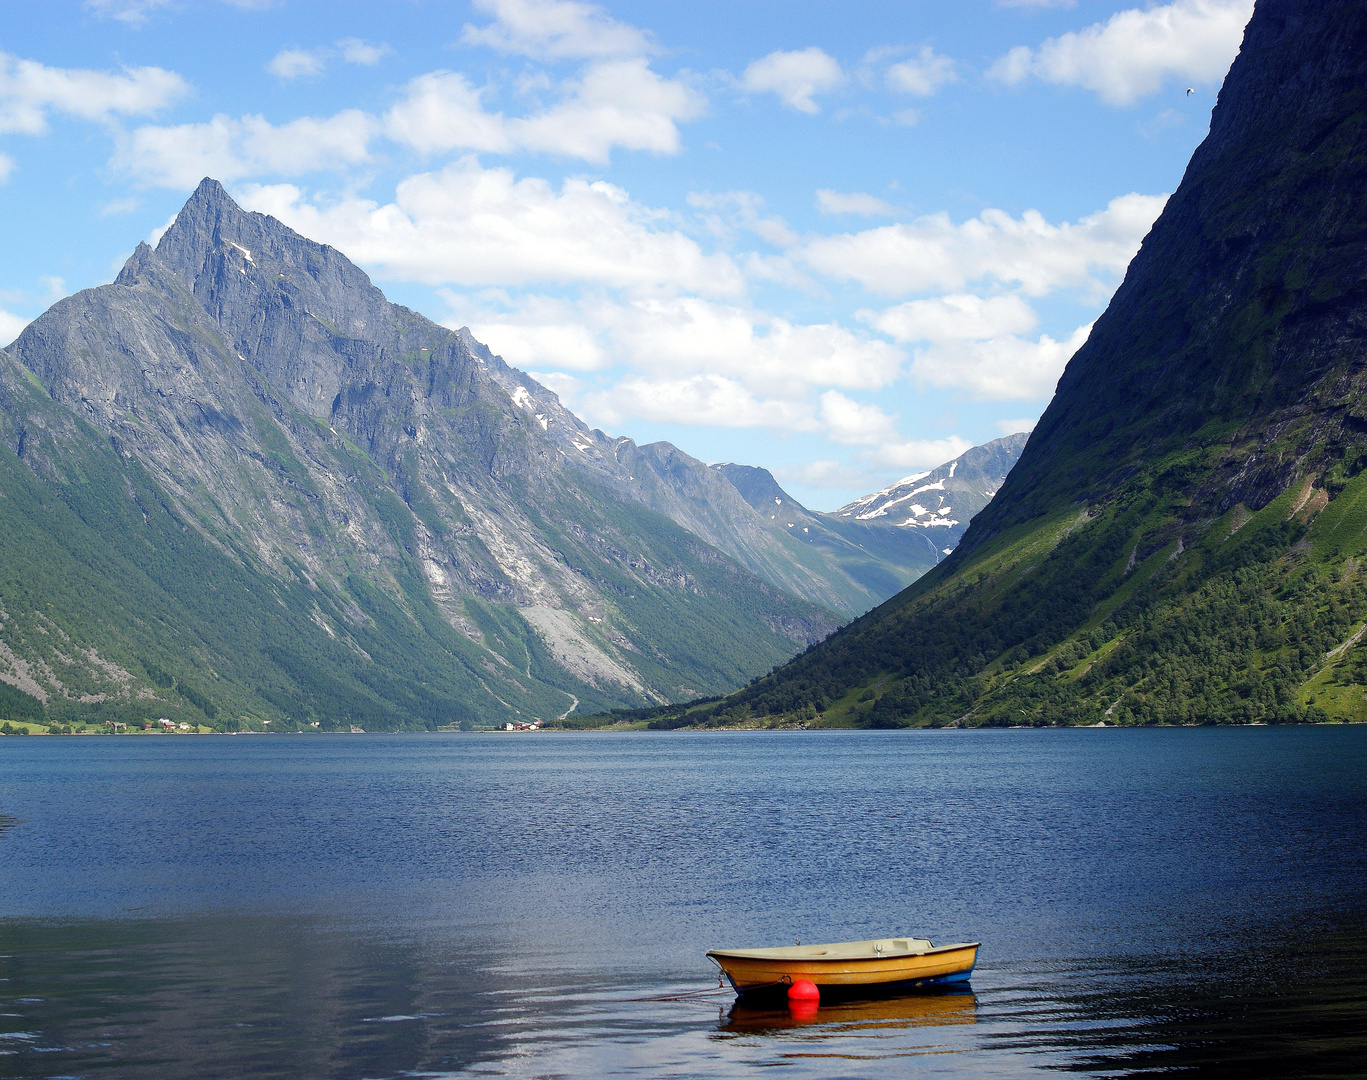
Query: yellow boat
pixel 848 967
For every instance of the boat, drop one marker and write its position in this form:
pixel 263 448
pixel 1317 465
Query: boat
pixel 848 967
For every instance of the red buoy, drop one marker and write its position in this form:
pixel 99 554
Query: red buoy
pixel 804 991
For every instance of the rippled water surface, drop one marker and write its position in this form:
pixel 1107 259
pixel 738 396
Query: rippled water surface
pixel 1151 902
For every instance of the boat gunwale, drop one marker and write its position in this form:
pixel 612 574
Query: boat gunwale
pixel 766 955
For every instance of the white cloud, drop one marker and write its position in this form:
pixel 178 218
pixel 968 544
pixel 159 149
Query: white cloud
pixel 29 91
pixel 556 30
pixel 855 423
pixel 11 326
pixel 229 149
pixel 615 103
pixel 471 226
pixel 6 167
pixel 932 254
pixel 708 399
pixel 356 51
pixel 973 343
pixel 1015 427
pixel 292 63
pixel 855 202
pixel 1135 51
pixel 961 317
pixel 923 74
pixel 681 337
pixel 999 368
pixel 768 354
pixel 912 454
pixel 442 111
pixel 794 76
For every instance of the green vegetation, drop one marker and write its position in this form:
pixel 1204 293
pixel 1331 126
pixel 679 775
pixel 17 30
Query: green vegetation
pixel 1070 623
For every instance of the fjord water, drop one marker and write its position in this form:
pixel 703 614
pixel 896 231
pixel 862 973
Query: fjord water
pixel 1149 901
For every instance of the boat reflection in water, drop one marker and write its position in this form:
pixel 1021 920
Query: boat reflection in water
pixel 843 1018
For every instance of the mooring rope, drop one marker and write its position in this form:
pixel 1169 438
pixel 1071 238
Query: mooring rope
pixel 711 991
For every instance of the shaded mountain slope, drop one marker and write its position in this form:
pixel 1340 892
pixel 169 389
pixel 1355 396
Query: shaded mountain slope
pixel 1182 539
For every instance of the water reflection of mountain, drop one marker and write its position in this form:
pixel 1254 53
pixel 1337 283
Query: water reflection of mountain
pixel 843 1018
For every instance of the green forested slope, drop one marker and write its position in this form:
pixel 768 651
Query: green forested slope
pixel 1182 539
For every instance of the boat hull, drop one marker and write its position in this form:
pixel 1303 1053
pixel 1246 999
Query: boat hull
pixel 846 975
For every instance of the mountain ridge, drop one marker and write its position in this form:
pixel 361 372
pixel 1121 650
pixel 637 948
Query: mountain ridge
pixel 441 541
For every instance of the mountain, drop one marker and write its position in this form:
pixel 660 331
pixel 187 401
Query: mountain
pixel 243 487
pixel 239 485
pixel 887 540
pixel 1183 538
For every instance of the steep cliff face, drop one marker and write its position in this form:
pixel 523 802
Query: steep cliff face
pixel 257 387
pixel 1238 332
pixel 1181 539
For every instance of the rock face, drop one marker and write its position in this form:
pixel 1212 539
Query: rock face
pixel 1182 539
pixel 308 434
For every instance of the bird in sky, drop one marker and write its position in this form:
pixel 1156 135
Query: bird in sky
pixel 1190 91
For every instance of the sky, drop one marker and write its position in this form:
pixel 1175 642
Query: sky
pixel 844 241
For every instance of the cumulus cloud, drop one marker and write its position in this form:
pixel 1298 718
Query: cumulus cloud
pixel 556 30
pixel 853 422
pixel 30 92
pixel 228 149
pixel 356 51
pixel 681 337
pixel 855 202
pixel 1136 51
pixel 932 254
pixel 961 317
pixel 11 326
pixel 999 368
pixel 471 226
pixel 974 343
pixel 293 63
pixel 442 111
pixel 6 167
pixel 794 76
pixel 614 103
pixel 904 454
pixel 922 75
pixel 708 399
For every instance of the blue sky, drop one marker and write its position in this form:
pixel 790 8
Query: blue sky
pixel 844 241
